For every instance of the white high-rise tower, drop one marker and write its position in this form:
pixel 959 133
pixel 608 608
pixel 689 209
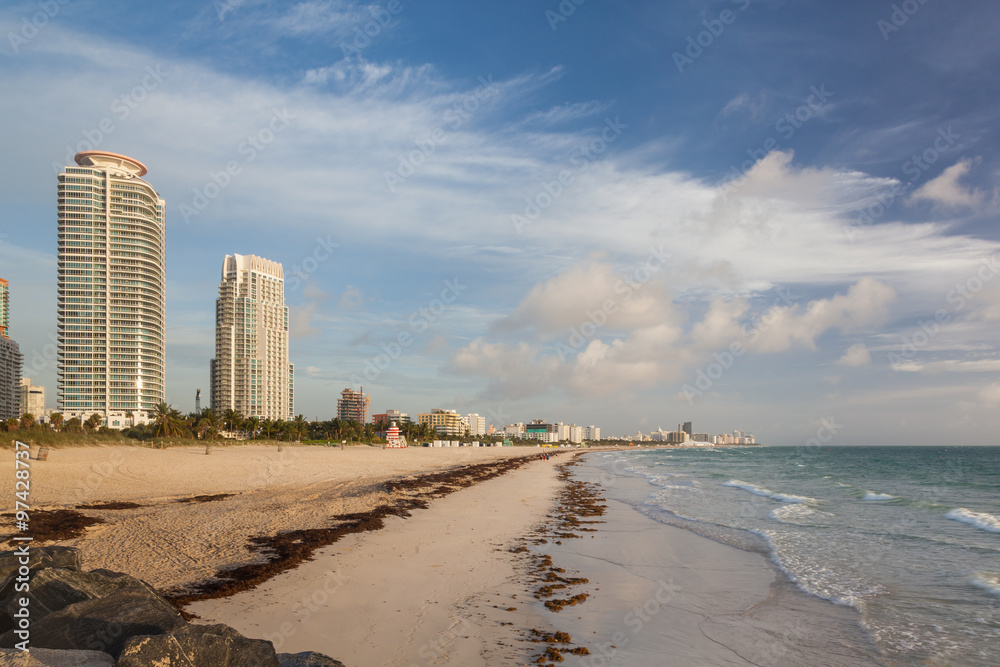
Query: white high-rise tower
pixel 112 290
pixel 250 372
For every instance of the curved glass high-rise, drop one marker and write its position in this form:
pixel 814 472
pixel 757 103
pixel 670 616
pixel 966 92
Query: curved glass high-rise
pixel 112 290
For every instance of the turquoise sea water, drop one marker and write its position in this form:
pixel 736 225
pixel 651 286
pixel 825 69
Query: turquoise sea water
pixel 908 536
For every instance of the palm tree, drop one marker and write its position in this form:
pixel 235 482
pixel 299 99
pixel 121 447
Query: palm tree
pixel 230 419
pixel 93 421
pixel 27 420
pixel 252 424
pixel 206 423
pixel 11 424
pixel 73 425
pixel 329 431
pixel 166 421
pixel 56 420
pixel 267 428
pixel 298 427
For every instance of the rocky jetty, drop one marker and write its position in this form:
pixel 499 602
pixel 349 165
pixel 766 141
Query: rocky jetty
pixel 109 619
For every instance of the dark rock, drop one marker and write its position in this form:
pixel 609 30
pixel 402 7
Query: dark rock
pixel 46 657
pixel 198 646
pixel 104 624
pixel 67 558
pixel 56 588
pixel 307 659
pixel 41 557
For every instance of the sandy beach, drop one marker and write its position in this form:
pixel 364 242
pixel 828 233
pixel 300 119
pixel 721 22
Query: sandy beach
pixel 454 582
pixel 169 543
pixel 430 589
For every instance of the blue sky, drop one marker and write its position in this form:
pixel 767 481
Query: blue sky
pixel 748 214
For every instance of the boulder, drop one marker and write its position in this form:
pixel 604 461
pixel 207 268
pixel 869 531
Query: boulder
pixel 198 645
pixel 307 659
pixel 67 558
pixel 41 557
pixel 47 657
pixel 57 588
pixel 104 624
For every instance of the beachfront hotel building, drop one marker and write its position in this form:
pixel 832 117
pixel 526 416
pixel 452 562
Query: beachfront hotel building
pixel 390 417
pixel 11 361
pixel 444 422
pixel 111 290
pixel 476 424
pixel 353 406
pixel 251 373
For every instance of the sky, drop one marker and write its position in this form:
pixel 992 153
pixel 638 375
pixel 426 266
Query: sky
pixel 777 216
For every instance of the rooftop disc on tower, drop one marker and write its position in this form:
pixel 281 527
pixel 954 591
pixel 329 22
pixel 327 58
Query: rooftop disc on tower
pixel 106 159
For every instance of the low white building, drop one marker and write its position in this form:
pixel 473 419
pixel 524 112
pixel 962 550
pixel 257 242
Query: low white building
pixel 476 424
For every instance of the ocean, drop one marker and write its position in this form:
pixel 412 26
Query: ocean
pixel 907 536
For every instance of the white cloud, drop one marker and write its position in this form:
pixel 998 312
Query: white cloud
pixel 646 346
pixel 865 305
pixel 753 106
pixel 565 113
pixel 990 394
pixel 945 190
pixel 590 292
pixel 951 366
pixel 322 16
pixel 352 298
pixel 856 355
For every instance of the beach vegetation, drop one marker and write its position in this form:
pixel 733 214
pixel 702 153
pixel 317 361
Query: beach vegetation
pixel 168 422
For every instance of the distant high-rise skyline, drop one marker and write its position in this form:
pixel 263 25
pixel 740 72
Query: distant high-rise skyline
pixel 251 372
pixel 112 289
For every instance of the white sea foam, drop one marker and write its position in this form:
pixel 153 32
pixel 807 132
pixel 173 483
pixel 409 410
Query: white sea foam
pixel 746 486
pixel 980 520
pixel 988 581
pixel 796 515
pixel 813 576
pixel 767 493
pixel 878 496
pixel 789 498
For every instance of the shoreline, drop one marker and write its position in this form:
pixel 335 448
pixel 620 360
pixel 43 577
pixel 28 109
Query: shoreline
pixel 709 602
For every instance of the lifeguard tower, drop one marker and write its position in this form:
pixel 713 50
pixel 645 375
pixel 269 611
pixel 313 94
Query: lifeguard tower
pixel 393 439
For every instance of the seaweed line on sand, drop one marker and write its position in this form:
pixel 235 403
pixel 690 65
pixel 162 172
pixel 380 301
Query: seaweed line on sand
pixel 287 549
pixel 577 505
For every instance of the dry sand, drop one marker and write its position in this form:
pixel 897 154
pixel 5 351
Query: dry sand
pixel 431 589
pixel 169 543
